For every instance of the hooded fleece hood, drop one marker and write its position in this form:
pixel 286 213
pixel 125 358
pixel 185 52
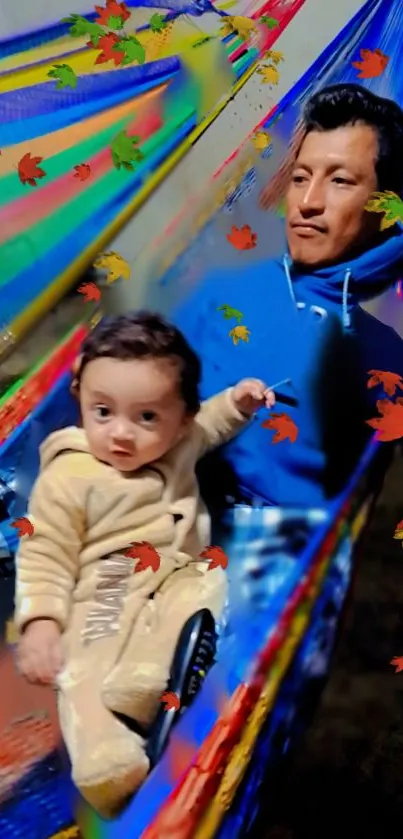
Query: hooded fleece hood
pixel 309 339
pixel 71 439
pixel 349 283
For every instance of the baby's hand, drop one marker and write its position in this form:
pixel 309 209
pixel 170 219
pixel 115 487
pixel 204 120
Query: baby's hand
pixel 40 656
pixel 251 394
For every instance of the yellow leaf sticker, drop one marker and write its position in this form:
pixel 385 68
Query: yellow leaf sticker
pixel 261 140
pixel 239 333
pixel 269 73
pixel 115 266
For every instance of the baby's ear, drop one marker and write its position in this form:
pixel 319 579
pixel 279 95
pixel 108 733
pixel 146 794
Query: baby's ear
pixel 75 369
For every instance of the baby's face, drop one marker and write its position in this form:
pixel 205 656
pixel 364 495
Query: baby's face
pixel 132 411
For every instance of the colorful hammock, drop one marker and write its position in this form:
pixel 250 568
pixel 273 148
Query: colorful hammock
pixel 208 782
pixel 51 233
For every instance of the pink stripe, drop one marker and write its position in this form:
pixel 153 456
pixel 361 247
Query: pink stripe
pixel 25 212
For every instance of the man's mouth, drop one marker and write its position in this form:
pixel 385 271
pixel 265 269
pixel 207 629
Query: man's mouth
pixel 307 227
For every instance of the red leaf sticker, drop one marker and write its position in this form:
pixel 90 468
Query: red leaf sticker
pixel 397 662
pixel 106 44
pixel 283 425
pixel 146 554
pixel 170 700
pixel 398 534
pixel 24 526
pixel 390 424
pixel 242 238
pixel 111 9
pixel 82 171
pixel 389 381
pixel 90 291
pixel 372 64
pixel 218 558
pixel 29 171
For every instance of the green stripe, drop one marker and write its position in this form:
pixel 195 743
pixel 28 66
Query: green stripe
pixel 19 252
pixel 11 188
pixel 40 363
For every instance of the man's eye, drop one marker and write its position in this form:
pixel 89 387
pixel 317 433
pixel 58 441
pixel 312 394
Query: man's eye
pixel 339 180
pixel 298 179
pixel 148 416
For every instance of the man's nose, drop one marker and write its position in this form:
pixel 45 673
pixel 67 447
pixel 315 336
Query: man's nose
pixel 313 200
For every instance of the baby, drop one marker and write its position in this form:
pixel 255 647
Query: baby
pixel 102 632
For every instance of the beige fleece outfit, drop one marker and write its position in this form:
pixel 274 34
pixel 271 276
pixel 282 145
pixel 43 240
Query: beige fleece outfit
pixel 120 628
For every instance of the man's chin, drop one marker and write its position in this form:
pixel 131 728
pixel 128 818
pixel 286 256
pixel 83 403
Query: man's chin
pixel 310 257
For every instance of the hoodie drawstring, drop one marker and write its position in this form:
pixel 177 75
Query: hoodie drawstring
pixel 289 280
pixel 346 319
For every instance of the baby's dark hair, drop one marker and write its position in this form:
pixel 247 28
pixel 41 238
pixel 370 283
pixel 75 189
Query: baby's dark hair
pixel 143 335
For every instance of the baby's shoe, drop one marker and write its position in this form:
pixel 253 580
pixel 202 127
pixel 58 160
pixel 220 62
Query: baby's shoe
pixel 194 656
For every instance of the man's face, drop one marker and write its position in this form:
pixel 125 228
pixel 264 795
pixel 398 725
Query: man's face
pixel 333 177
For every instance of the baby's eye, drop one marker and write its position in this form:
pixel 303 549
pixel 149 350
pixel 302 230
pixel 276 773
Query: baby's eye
pixel 149 416
pixel 102 411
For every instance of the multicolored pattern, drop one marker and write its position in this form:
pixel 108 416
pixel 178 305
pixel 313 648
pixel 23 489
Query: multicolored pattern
pixel 50 233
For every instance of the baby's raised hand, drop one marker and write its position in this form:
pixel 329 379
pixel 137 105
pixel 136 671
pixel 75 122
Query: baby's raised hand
pixel 40 655
pixel 251 394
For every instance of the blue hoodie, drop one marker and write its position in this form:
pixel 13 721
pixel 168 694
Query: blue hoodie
pixel 307 328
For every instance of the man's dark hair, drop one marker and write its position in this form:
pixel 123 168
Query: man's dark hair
pixel 347 104
pixel 143 335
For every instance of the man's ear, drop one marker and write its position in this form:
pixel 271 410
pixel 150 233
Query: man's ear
pixel 75 369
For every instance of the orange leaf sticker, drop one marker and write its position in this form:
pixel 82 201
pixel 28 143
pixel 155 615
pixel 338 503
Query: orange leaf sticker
pixel 29 171
pixel 284 427
pixel 397 662
pixel 170 700
pixel 82 171
pixel 218 558
pixel 389 381
pixel 24 526
pixel 146 554
pixel 90 291
pixel 372 64
pixel 390 424
pixel 242 238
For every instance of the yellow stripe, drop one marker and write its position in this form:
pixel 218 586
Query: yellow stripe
pixel 82 60
pixel 70 833
pixel 45 301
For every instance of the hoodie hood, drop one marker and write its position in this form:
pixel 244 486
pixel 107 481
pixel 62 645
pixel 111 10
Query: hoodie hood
pixel 348 283
pixel 71 439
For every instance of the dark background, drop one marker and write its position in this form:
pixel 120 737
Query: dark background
pixel 347 779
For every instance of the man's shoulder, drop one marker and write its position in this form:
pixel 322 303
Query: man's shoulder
pixel 380 343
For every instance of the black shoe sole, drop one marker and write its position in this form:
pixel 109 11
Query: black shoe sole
pixel 194 656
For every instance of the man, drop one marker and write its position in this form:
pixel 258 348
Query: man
pixel 303 313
